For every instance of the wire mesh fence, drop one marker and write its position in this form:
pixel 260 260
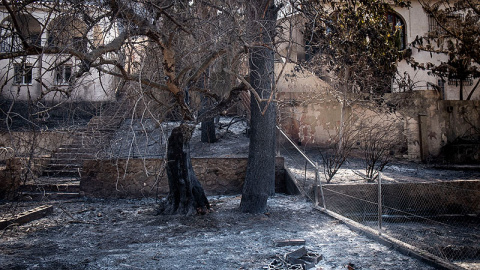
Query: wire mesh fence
pixel 441 218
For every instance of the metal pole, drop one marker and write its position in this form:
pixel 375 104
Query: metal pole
pixel 379 203
pixel 316 184
pixel 321 188
pixel 295 146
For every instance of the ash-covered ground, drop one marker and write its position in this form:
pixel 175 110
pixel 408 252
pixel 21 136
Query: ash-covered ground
pixel 145 138
pixel 126 234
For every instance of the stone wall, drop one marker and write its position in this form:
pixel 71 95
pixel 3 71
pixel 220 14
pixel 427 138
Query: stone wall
pixel 427 122
pixel 146 177
pixel 8 183
pixel 423 199
pixel 17 171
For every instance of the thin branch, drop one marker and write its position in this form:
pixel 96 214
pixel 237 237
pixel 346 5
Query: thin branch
pixel 249 86
pixel 205 65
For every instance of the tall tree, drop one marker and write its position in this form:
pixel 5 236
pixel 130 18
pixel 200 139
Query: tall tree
pixel 260 178
pixel 454 32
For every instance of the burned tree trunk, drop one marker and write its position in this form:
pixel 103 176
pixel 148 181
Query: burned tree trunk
pixel 186 195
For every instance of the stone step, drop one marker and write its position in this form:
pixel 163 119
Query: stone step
pixel 74 156
pixel 86 143
pixel 106 119
pixel 73 149
pixel 66 166
pixel 65 161
pixel 61 173
pixel 54 180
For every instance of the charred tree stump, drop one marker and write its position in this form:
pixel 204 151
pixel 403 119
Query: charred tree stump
pixel 186 195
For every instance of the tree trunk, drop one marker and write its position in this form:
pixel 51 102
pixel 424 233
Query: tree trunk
pixel 260 177
pixel 186 195
pixel 208 130
pixel 461 89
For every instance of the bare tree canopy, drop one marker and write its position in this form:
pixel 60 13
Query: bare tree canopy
pixel 172 52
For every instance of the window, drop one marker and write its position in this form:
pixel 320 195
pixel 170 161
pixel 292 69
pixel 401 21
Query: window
pixel 397 24
pixel 35 39
pixel 451 20
pixel 11 44
pixel 67 32
pixel 28 27
pixel 22 74
pixel 441 85
pixel 51 40
pixel 63 75
pixel 454 79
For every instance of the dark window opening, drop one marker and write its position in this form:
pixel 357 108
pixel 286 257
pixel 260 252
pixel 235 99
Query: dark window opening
pixel 22 74
pixel 63 75
pixel 452 20
pixel 397 24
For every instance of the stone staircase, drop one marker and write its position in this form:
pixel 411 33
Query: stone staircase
pixel 61 177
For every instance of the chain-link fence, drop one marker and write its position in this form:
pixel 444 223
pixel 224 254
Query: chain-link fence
pixel 440 218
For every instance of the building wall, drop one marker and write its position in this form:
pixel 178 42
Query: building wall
pixel 427 119
pixel 417 25
pixel 423 123
pixel 90 87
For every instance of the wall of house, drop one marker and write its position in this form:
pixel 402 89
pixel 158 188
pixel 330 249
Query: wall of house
pixel 408 79
pixel 90 87
pixel 291 44
pixel 422 121
pixel 417 25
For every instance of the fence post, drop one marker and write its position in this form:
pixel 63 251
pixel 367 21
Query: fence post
pixel 318 184
pixel 379 203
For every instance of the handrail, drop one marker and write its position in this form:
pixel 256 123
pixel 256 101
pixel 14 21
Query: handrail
pixel 296 147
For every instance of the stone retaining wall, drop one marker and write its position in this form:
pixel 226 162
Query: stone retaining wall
pixel 18 171
pixel 146 177
pixel 424 199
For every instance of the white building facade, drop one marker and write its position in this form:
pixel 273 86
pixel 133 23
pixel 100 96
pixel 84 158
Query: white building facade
pixel 51 77
pixel 415 22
